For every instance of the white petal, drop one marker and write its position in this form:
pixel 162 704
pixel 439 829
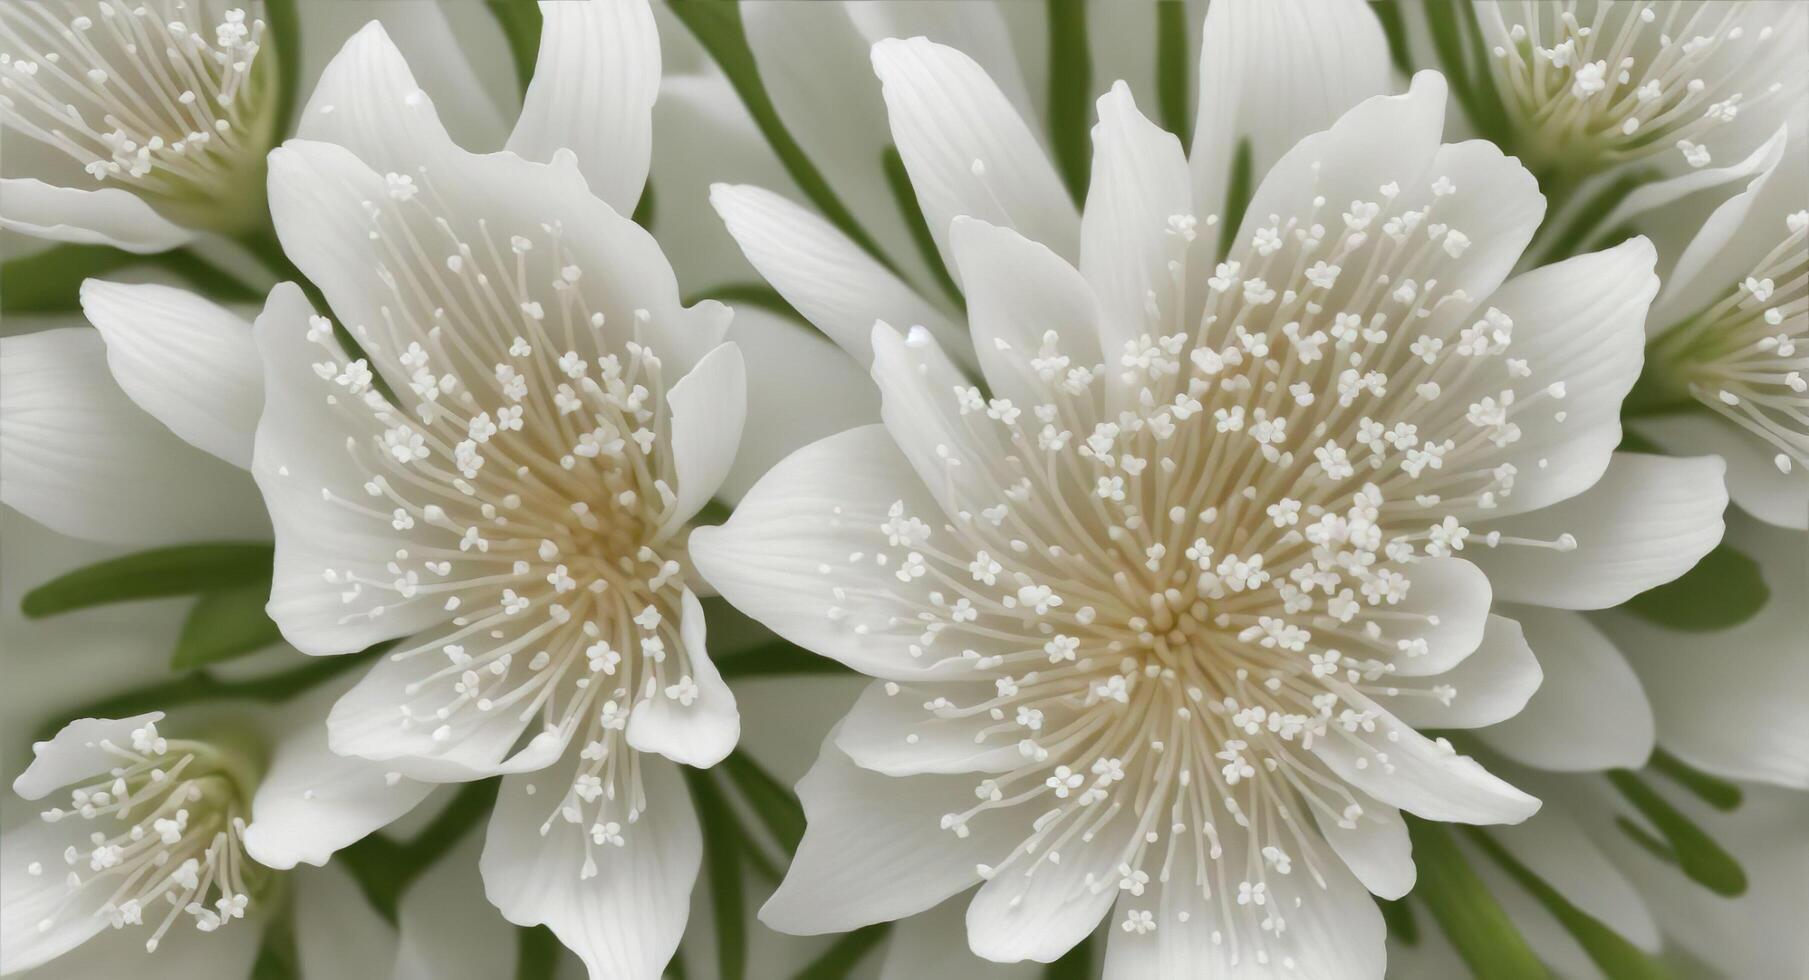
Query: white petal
pixel 704 732
pixel 977 29
pixel 1754 481
pixel 312 802
pixel 1579 323
pixel 934 944
pixel 891 733
pixel 1140 180
pixel 708 406
pixel 1403 768
pixel 1377 850
pixel 1590 713
pixel 42 916
pixel 1273 73
pixel 800 386
pixel 1018 291
pixel 75 753
pixel 82 459
pixel 107 216
pixel 785 554
pixel 874 848
pixel 592 93
pixel 1456 593
pixel 300 455
pixel 825 276
pixel 187 361
pixel 624 922
pixel 1646 522
pixel 917 383
pixel 337 932
pixel 1492 684
pixel 947 116
pixel 368 102
pixel 1041 911
pixel 448 931
pixel 184 952
pixel 1730 701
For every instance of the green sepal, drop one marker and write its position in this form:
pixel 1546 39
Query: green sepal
pixel 1696 853
pixel 177 570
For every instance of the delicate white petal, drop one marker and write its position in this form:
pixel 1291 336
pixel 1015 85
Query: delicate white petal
pixel 864 828
pixel 1492 684
pixel 625 921
pixel 310 801
pixel 75 753
pixel 368 102
pixel 967 149
pixel 888 731
pixel 1018 291
pixel 1274 72
pixel 187 361
pixel 1140 182
pixel 592 93
pixel 1377 849
pixel 699 734
pixel 1754 481
pixel 1646 522
pixel 337 931
pixel 917 381
pixel 828 278
pixel 184 952
pixel 448 931
pixel 42 916
pixel 1448 607
pixel 107 216
pixel 1040 905
pixel 772 559
pixel 1403 768
pixel 708 408
pixel 1589 714
pixel 82 459
pixel 934 944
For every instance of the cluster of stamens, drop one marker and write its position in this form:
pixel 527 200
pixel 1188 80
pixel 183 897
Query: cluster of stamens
pixel 140 95
pixel 169 827
pixel 1190 564
pixel 531 481
pixel 1631 80
pixel 1747 356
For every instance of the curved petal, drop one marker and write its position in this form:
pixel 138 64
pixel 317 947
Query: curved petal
pixel 368 102
pixel 866 828
pixel 1428 779
pixel 75 753
pixel 890 731
pixel 1591 712
pixel 698 734
pixel 828 278
pixel 1273 73
pixel 43 916
pixel 184 952
pixel 934 944
pixel 1375 847
pixel 82 459
pixel 1018 293
pixel 447 930
pixel 187 361
pixel 311 802
pixel 108 216
pixel 917 384
pixel 625 920
pixel 1040 912
pixel 592 93
pixel 1754 481
pixel 1448 608
pixel 1491 684
pixel 337 931
pixel 709 407
pixel 1643 524
pixel 966 148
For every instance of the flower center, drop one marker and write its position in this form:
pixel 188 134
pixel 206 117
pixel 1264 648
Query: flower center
pixel 141 97
pixel 1629 81
pixel 169 823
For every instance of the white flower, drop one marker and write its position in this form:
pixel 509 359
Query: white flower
pixel 576 524
pixel 151 118
pixel 1169 655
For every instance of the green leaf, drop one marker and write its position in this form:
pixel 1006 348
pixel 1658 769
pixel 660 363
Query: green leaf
pixel 520 21
pixel 1238 191
pixel 1398 916
pixel 1172 58
pixel 777 657
pixel 717 26
pixel 1724 590
pixel 840 959
pixel 904 194
pixel 177 570
pixel 1070 94
pixel 1703 860
pixel 50 281
pixel 1716 792
pixel 1394 27
pixel 1465 911
pixel 776 807
pixel 224 625
pixel 722 856
pixel 1606 948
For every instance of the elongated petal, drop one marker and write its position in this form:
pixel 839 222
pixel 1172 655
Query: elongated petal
pixel 702 732
pixel 107 216
pixel 75 752
pixel 1375 847
pixel 592 93
pixel 888 731
pixel 1038 906
pixel 81 458
pixel 709 407
pixel 1019 292
pixel 1490 685
pixel 187 361
pixel 367 101
pixel 1403 768
pixel 1754 481
pixel 1646 522
pixel 1590 713
pixel 43 916
pixel 624 921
